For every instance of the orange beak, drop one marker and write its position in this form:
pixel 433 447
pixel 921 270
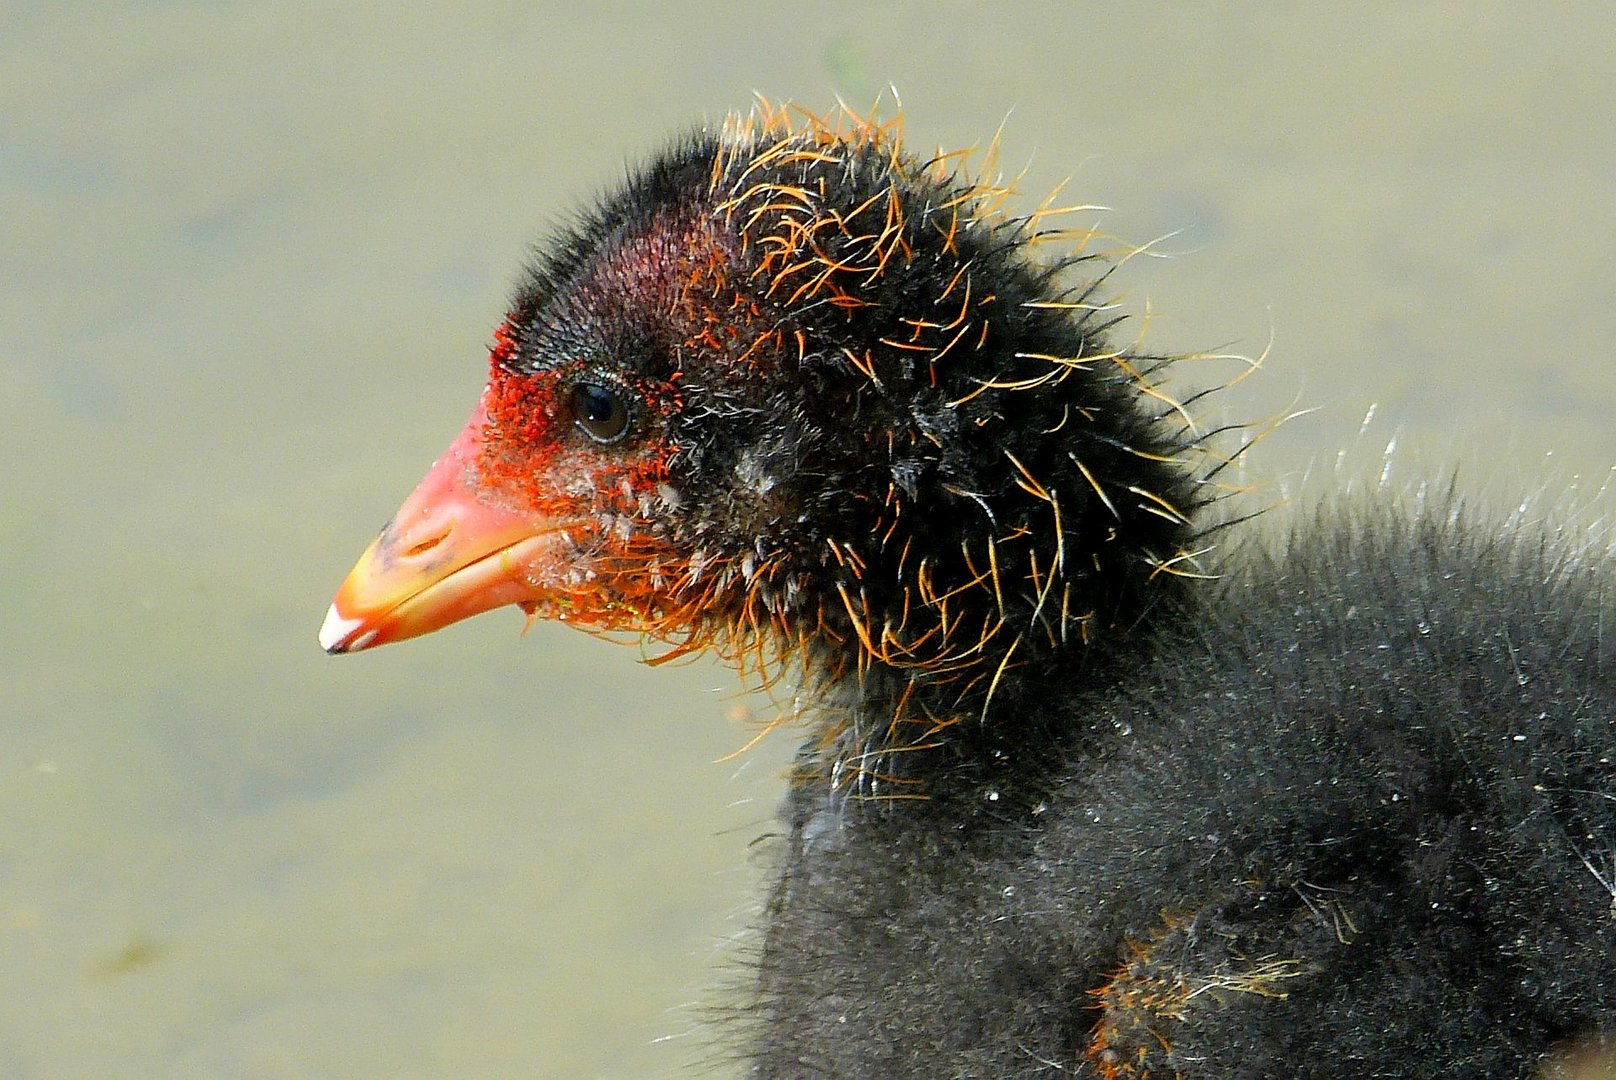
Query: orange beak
pixel 448 554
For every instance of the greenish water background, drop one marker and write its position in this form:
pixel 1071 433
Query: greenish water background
pixel 250 259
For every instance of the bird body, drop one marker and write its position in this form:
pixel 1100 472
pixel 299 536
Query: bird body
pixel 1084 793
pixel 1355 820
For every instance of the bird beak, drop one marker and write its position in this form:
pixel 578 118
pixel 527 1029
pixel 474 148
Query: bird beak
pixel 448 554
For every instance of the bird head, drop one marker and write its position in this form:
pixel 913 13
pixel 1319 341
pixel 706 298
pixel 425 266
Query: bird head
pixel 793 391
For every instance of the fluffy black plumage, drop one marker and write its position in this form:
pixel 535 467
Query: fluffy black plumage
pixel 1083 797
pixel 1355 819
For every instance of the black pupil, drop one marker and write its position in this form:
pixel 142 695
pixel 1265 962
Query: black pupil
pixel 600 411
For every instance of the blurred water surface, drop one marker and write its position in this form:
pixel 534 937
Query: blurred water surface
pixel 252 258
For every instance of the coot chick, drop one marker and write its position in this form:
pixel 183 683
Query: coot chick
pixel 1085 793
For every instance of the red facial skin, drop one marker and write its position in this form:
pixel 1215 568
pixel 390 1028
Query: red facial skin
pixel 521 509
pixel 525 508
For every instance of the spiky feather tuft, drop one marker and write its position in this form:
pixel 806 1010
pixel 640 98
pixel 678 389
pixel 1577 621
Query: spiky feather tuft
pixel 888 441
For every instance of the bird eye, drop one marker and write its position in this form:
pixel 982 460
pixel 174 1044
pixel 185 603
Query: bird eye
pixel 600 412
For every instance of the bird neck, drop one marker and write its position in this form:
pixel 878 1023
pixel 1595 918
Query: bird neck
pixel 935 632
